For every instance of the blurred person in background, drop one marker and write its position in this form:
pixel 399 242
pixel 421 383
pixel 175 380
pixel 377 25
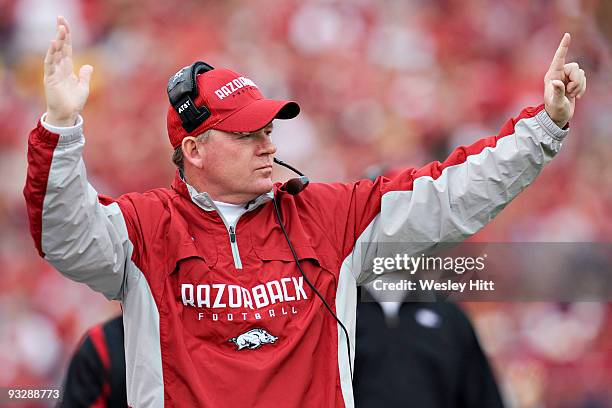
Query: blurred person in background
pixel 96 373
pixel 424 348
pixel 120 247
pixel 425 355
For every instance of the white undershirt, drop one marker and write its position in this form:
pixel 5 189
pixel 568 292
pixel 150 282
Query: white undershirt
pixel 231 212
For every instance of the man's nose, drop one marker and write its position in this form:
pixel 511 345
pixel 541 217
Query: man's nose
pixel 266 146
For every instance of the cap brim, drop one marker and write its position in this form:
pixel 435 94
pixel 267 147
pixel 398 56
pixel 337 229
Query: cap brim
pixel 258 114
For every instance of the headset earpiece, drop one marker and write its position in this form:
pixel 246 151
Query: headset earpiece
pixel 182 92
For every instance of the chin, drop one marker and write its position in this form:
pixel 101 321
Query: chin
pixel 263 187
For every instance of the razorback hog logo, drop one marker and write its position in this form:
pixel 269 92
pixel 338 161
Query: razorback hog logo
pixel 253 339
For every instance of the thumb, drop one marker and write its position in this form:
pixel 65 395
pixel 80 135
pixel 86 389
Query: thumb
pixel 85 74
pixel 558 90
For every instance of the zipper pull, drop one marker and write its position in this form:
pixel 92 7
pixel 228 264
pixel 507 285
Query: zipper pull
pixel 232 234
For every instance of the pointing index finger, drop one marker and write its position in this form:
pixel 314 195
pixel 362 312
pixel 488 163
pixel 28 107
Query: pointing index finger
pixel 559 59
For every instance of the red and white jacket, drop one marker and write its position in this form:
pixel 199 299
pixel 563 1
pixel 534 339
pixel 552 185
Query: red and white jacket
pixel 217 319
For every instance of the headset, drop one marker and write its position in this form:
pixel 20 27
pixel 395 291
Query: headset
pixel 182 92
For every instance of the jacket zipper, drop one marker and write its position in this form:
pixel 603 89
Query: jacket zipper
pixel 234 245
pixel 231 229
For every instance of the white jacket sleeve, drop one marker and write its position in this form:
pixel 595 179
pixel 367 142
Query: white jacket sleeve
pixel 85 240
pixel 452 200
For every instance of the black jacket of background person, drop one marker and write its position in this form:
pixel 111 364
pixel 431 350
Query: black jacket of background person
pixel 403 363
pixel 96 374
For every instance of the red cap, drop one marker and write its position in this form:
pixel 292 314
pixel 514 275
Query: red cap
pixel 235 105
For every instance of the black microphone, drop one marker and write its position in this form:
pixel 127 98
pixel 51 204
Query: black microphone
pixel 295 185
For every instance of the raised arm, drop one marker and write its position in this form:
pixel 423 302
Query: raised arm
pixel 85 240
pixel 451 200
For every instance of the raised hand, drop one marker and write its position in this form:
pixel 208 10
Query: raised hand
pixel 66 93
pixel 563 84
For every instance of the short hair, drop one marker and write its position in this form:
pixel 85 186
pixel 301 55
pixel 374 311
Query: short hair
pixel 179 159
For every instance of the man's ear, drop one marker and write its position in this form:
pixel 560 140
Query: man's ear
pixel 193 152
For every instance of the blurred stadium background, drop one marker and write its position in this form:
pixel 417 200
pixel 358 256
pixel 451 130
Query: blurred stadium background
pixel 393 82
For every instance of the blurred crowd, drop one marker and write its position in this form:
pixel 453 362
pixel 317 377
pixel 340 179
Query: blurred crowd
pixel 379 81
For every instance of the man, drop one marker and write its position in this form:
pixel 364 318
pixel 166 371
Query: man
pixel 425 355
pixel 96 374
pixel 216 312
pixel 419 345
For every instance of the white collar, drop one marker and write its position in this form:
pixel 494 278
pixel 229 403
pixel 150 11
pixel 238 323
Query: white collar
pixel 205 201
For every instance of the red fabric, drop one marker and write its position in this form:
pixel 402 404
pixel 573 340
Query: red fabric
pixel 97 338
pixel 177 251
pixel 41 145
pixel 96 334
